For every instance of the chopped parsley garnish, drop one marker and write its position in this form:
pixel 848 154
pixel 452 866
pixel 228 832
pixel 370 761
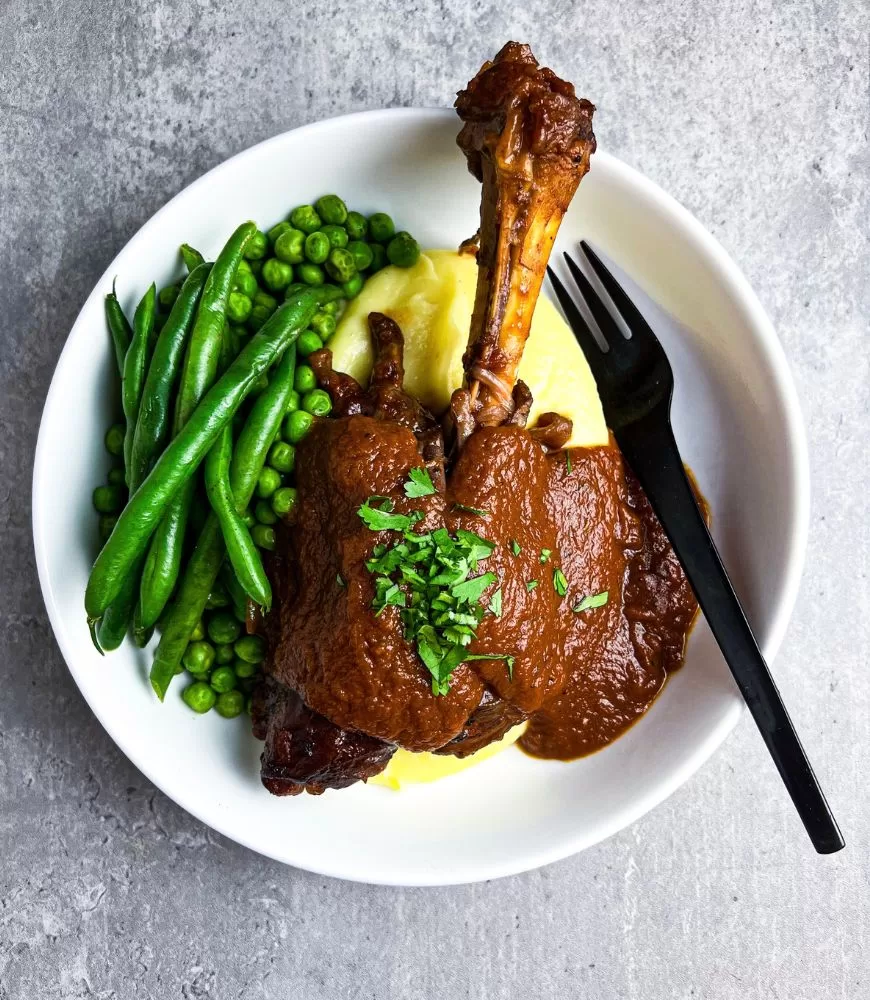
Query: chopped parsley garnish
pixel 560 584
pixel 530 585
pixel 515 547
pixel 471 510
pixel 567 461
pixel 592 601
pixel 339 579
pixel 419 484
pixel 430 577
pixel 377 514
pixel 545 555
pixel 495 603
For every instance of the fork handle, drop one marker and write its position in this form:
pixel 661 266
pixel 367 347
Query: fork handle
pixel 651 451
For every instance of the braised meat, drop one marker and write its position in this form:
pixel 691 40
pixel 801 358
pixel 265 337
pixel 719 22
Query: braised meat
pixel 346 685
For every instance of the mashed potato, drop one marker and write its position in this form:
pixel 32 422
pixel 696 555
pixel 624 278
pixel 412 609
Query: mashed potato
pixel 432 303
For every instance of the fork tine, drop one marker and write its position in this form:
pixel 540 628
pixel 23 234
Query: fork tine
pixel 606 324
pixel 579 327
pixel 630 313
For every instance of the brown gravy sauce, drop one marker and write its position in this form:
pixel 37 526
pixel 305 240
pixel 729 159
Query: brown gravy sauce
pixel 581 678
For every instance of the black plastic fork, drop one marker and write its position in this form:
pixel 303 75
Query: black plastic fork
pixel 636 385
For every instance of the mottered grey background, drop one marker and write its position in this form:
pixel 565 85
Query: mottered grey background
pixel 755 116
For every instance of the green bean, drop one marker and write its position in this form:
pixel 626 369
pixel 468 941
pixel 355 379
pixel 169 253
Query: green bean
pixel 176 465
pixel 152 426
pixel 119 328
pixel 238 597
pixel 203 352
pixel 162 565
pixel 192 258
pixel 199 371
pixel 135 367
pixel 240 547
pixel 249 456
pixel 115 622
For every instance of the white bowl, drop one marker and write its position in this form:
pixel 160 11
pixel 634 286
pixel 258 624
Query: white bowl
pixel 736 419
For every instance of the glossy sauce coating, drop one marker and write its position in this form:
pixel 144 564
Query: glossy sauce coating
pixel 582 678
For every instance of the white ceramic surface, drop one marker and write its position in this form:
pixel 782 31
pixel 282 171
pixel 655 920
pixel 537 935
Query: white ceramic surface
pixel 736 419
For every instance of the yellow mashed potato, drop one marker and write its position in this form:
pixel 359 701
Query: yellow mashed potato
pixel 432 303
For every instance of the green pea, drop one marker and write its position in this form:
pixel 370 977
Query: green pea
pixel 267 482
pixel 257 246
pixel 199 696
pixel 331 209
pixel 403 250
pixel 356 226
pixel 323 324
pixel 247 283
pixel 223 627
pixel 381 227
pixel 198 657
pixel 282 456
pixel 107 526
pixel 308 342
pixel 293 401
pixel 311 274
pixel 379 258
pixel 167 296
pixel 337 235
pixel 223 679
pixel 284 500
pixel 230 704
pixel 239 307
pixel 256 266
pixel 361 253
pixel 198 633
pixel 116 476
pixel 317 247
pixel 277 230
pixel 305 218
pixel 111 499
pixel 114 439
pixel 218 597
pixel 224 653
pixel 290 246
pixel 330 308
pixel 251 648
pixel 264 536
pixel 259 316
pixel 244 670
pixel 264 513
pixel 293 289
pixel 276 274
pixel 296 425
pixel 340 265
pixel 304 379
pixel 249 519
pixel 317 403
pixel 350 289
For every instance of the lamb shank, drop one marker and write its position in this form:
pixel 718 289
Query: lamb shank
pixel 346 684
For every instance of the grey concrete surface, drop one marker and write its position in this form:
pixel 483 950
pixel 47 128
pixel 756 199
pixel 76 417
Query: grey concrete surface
pixel 755 116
